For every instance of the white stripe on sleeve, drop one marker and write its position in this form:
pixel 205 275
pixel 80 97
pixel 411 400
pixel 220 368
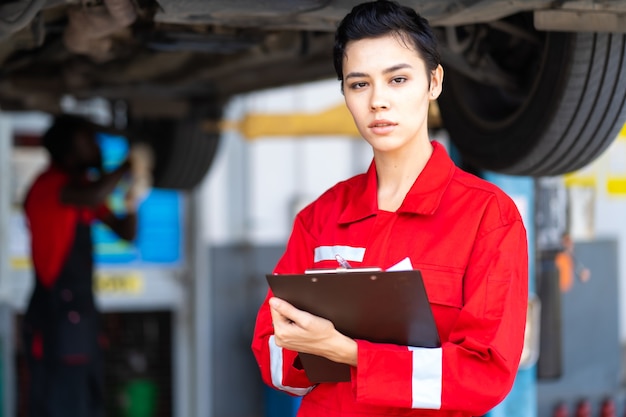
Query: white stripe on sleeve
pixel 349 253
pixel 276 369
pixel 427 374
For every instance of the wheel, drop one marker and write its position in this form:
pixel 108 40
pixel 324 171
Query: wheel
pixel 183 150
pixel 532 103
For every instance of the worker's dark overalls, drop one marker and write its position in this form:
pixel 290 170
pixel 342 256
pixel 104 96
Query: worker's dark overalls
pixel 66 376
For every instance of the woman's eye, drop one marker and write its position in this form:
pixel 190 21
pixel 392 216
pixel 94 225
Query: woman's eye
pixel 357 85
pixel 398 80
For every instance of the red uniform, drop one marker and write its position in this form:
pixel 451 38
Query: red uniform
pixel 53 224
pixel 467 238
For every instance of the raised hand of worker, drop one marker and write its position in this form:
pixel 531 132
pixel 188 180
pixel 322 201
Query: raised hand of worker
pixel 300 331
pixel 141 158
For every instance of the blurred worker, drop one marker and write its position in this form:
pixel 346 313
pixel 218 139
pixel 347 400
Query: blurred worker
pixel 61 325
pixel 567 265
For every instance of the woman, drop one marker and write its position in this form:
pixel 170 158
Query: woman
pixel 415 210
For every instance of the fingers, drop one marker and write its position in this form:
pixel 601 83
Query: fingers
pixel 281 306
pixel 281 324
pixel 299 330
pixel 283 312
pixel 299 321
pixel 288 330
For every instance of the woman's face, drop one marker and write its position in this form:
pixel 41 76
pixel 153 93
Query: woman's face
pixel 387 90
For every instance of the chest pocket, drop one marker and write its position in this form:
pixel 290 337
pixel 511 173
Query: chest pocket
pixel 443 287
pixel 445 294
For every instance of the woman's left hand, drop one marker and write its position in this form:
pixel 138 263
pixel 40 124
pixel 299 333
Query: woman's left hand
pixel 300 331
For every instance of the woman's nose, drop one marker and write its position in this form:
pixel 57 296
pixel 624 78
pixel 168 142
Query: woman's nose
pixel 378 100
pixel 378 105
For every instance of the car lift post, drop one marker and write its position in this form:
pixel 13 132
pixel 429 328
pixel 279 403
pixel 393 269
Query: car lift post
pixel 6 333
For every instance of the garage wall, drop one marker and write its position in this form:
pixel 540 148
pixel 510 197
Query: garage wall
pixel 597 203
pixel 238 288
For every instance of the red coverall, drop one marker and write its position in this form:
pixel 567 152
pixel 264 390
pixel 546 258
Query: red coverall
pixel 467 238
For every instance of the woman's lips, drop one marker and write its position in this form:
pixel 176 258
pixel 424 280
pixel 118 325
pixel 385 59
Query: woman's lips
pixel 382 127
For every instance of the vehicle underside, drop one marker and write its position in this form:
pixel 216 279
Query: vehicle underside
pixel 531 87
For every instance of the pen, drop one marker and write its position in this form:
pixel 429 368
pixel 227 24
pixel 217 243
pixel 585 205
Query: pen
pixel 342 262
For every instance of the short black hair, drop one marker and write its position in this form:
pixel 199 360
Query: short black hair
pixel 382 17
pixel 58 139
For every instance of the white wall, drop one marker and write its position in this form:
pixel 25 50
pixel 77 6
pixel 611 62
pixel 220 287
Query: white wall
pixel 255 188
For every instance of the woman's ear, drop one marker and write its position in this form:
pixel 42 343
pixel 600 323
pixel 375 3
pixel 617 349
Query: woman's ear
pixel 436 83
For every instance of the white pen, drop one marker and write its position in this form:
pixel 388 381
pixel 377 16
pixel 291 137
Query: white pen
pixel 342 262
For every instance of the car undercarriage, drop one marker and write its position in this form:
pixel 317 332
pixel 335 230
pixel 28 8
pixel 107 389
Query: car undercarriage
pixel 530 88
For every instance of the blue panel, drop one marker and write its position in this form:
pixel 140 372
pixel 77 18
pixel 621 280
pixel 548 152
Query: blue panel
pixel 522 400
pixel 160 231
pixel 114 150
pixel 159 235
pixel 280 404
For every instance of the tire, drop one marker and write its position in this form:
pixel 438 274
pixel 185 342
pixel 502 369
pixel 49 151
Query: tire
pixel 574 104
pixel 183 151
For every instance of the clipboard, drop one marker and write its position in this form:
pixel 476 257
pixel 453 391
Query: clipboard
pixel 381 307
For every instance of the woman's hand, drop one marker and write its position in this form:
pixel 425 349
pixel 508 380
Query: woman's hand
pixel 300 331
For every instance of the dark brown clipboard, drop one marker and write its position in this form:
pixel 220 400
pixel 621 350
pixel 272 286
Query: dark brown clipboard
pixel 382 307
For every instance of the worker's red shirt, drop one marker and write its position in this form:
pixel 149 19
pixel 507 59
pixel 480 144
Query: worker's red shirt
pixel 52 224
pixel 467 238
